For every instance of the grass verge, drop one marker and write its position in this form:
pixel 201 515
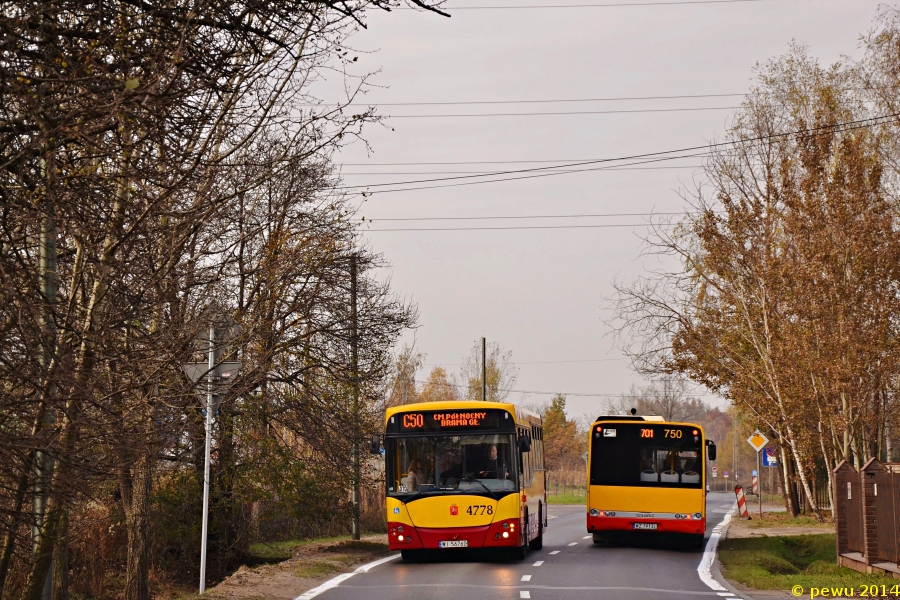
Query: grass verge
pixel 781 562
pixel 786 520
pixel 275 552
pixel 565 499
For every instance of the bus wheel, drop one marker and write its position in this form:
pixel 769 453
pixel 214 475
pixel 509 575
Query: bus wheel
pixel 538 542
pixel 520 552
pixel 602 538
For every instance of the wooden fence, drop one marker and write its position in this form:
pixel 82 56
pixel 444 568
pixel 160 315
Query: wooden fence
pixel 566 483
pixel 867 517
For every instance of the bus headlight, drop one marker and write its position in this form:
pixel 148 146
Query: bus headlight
pixel 505 534
pixel 400 528
pixel 399 538
pixel 594 512
pixel 698 515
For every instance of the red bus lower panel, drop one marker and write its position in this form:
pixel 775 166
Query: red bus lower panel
pixel 692 526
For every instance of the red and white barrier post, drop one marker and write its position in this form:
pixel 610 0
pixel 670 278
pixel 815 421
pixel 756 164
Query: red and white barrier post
pixel 742 504
pixel 756 483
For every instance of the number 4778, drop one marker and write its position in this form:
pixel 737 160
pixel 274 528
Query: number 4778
pixel 480 509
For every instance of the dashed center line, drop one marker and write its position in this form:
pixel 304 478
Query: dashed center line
pixel 587 537
pixel 526 577
pixel 555 552
pixel 524 594
pixel 574 544
pixel 538 563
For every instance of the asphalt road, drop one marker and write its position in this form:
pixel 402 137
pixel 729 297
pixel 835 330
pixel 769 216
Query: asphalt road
pixel 569 566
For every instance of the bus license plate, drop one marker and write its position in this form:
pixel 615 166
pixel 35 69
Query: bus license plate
pixel 454 544
pixel 643 525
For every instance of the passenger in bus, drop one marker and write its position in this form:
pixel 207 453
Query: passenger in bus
pixel 416 476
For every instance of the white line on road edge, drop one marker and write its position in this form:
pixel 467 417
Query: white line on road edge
pixel 709 555
pixel 336 581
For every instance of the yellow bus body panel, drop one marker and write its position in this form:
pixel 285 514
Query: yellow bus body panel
pixel 642 499
pixel 401 515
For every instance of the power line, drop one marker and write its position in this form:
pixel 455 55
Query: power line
pixel 521 217
pixel 605 5
pixel 579 112
pixel 482 162
pixel 487 172
pixel 551 101
pixel 545 169
pixel 537 362
pixel 574 394
pixel 508 228
pixel 660 156
pixel 535 176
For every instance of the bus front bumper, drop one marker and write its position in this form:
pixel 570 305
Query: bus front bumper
pixel 485 536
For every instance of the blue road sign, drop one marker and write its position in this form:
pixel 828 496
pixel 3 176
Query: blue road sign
pixel 768 458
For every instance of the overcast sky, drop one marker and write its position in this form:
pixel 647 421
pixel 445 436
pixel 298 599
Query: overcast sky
pixel 540 293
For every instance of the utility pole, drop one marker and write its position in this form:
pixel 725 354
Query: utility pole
pixel 354 358
pixel 483 370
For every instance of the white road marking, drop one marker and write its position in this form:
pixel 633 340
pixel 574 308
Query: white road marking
pixel 726 594
pixel 538 563
pixel 526 577
pixel 552 517
pixel 587 537
pixel 709 555
pixel 574 544
pixel 555 552
pixel 336 581
pixel 524 594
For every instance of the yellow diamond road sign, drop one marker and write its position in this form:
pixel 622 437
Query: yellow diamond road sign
pixel 758 441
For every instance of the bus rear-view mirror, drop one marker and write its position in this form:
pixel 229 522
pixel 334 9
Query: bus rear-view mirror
pixel 375 446
pixel 711 450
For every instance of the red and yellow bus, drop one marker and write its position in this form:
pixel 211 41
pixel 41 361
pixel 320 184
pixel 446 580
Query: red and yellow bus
pixel 647 475
pixel 464 474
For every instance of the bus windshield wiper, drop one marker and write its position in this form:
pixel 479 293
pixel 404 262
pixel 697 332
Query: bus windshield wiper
pixel 472 479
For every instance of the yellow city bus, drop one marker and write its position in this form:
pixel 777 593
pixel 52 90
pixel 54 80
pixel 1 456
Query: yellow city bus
pixel 464 474
pixel 646 476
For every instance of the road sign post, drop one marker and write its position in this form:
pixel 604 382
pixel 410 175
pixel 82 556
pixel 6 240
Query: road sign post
pixel 214 373
pixel 757 441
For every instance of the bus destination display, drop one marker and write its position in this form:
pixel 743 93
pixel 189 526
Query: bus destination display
pixel 447 420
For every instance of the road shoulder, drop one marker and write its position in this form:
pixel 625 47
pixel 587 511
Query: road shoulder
pixel 310 566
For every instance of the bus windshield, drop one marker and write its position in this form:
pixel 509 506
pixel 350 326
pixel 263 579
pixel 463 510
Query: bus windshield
pixel 451 463
pixel 646 455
